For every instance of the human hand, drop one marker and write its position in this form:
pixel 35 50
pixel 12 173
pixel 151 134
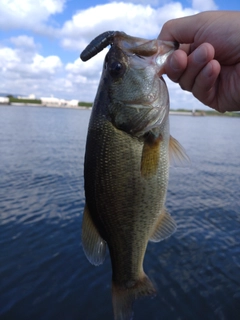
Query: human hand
pixel 208 61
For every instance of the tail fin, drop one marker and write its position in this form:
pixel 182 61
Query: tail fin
pixel 123 297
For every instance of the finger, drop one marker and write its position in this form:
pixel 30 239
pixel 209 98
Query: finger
pixel 196 62
pixel 180 30
pixel 204 88
pixel 176 65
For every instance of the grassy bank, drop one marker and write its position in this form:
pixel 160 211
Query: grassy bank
pixel 211 113
pixel 89 105
pixel 85 104
pixel 226 114
pixel 16 100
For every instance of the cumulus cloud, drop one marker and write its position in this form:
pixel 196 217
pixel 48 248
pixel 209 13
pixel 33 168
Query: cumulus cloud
pixel 91 69
pixel 32 65
pixel 28 14
pixel 23 42
pixel 204 5
pixel 136 19
pixel 24 70
pixel 180 99
pixel 84 77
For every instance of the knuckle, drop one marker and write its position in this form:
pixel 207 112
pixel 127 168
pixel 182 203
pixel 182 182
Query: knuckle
pixel 185 86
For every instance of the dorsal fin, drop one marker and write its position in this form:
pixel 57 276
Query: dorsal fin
pixel 177 154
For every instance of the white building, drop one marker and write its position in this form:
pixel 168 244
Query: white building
pixel 4 100
pixel 51 101
pixel 72 103
pixel 30 97
pixel 55 102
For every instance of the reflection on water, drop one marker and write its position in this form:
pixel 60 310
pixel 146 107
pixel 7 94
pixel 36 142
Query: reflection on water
pixel 43 271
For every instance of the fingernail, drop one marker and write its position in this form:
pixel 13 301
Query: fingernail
pixel 200 54
pixel 208 70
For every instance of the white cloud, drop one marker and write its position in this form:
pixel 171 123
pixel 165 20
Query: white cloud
pixel 148 2
pixel 28 14
pixel 23 61
pixel 139 20
pixel 135 19
pixel 84 77
pixel 15 61
pixel 90 69
pixel 46 65
pixel 24 70
pixel 204 5
pixel 23 41
pixel 8 59
pixel 180 99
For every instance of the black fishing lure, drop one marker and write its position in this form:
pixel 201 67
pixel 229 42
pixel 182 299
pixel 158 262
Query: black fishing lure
pixel 97 45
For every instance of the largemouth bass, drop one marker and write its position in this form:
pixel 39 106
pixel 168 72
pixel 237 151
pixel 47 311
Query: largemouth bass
pixel 126 163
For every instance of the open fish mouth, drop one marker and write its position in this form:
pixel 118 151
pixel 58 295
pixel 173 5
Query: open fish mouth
pixel 150 51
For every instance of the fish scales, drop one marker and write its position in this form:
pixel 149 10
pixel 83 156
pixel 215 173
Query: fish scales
pixel 126 164
pixel 124 223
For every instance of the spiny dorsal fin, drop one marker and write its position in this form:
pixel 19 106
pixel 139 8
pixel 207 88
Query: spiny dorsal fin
pixel 164 227
pixel 177 154
pixel 93 245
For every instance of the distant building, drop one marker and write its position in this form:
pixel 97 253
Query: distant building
pixel 63 102
pixel 55 102
pixel 51 101
pixel 72 103
pixel 4 100
pixel 30 97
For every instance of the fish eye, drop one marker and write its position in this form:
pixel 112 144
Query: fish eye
pixel 116 68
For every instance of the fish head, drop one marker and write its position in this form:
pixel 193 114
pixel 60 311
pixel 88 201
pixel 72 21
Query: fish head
pixel 137 92
pixel 137 96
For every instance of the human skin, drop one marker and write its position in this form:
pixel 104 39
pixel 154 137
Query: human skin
pixel 208 60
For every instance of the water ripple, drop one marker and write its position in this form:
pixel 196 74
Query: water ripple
pixel 44 273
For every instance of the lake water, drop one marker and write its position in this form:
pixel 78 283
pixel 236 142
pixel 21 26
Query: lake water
pixel 43 271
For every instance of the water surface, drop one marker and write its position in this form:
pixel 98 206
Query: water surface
pixel 43 271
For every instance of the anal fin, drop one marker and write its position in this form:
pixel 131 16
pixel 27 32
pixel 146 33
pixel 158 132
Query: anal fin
pixel 164 227
pixel 94 246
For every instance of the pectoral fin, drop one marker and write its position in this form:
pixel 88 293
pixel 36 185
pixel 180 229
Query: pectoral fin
pixel 93 245
pixel 177 154
pixel 150 156
pixel 164 227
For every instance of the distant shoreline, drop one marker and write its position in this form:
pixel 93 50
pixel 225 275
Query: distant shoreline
pixel 20 104
pixel 181 112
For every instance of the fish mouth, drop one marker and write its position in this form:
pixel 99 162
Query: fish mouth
pixel 132 45
pixel 145 116
pixel 153 51
pixel 143 111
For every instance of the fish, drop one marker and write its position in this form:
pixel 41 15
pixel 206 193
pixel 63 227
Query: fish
pixel 126 165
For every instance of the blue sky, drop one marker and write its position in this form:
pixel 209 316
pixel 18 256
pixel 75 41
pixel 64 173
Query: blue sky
pixel 40 42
